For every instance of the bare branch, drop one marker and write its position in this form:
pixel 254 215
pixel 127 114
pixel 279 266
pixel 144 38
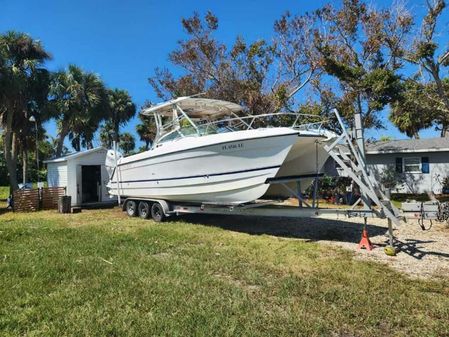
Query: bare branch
pixel 299 87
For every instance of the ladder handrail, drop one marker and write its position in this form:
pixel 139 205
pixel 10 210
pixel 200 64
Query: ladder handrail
pixel 365 183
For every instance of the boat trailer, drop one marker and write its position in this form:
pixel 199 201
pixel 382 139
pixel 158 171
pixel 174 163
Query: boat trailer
pixel 373 203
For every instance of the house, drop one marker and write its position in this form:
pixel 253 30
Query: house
pixel 83 174
pixel 416 165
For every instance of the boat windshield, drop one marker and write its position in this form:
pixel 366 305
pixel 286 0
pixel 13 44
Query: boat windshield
pixel 201 130
pixel 195 117
pixel 206 127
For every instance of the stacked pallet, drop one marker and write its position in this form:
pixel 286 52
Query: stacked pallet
pixel 26 200
pixel 50 197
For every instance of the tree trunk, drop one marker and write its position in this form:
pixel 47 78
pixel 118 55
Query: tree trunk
pixel 76 143
pixel 441 93
pixel 116 132
pixel 24 166
pixel 436 75
pixel 60 139
pixel 10 151
pixel 116 135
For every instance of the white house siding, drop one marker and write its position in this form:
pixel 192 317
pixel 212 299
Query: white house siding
pixel 413 182
pixel 439 168
pixel 57 174
pixel 72 186
pixel 74 169
pixel 67 173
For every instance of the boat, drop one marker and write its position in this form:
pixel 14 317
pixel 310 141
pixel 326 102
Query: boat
pixel 205 152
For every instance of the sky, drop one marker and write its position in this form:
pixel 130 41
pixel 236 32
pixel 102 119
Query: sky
pixel 124 41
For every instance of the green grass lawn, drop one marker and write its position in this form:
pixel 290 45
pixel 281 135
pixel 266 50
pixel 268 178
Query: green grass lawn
pixel 99 273
pixel 4 192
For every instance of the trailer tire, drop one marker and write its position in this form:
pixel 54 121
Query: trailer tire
pixel 157 212
pixel 144 209
pixel 131 208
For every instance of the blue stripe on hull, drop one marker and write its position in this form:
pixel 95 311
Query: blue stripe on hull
pixel 198 176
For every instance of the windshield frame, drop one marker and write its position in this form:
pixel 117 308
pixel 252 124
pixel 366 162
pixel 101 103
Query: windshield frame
pixel 181 123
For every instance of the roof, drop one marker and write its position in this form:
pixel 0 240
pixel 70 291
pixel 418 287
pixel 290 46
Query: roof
pixel 409 146
pixel 195 107
pixel 74 155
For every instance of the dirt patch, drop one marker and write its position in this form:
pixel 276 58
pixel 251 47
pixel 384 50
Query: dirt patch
pixel 423 254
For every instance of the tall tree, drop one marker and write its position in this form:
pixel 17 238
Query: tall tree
pixel 357 48
pixel 240 73
pixel 121 110
pixel 105 137
pixel 79 103
pixel 127 143
pixel 24 85
pixel 427 53
pixel 296 60
pixel 45 151
pixel 415 108
pixel 146 130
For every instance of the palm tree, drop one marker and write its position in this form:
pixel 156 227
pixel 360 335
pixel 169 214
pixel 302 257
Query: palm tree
pixel 80 104
pixel 127 143
pixel 105 137
pixel 121 110
pixel 24 85
pixel 146 130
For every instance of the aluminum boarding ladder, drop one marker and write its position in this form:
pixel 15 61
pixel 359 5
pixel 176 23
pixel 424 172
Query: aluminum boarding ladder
pixel 354 166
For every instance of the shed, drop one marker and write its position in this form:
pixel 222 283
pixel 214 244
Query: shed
pixel 83 174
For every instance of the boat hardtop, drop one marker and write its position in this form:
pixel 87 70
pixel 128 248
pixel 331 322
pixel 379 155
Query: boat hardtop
pixel 192 116
pixel 195 107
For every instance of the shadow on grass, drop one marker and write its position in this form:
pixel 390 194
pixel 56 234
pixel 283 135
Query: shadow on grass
pixel 308 229
pixel 4 210
pixel 311 230
pixel 415 248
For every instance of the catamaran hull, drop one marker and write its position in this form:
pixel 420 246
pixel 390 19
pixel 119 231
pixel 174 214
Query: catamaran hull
pixel 224 171
pixel 305 158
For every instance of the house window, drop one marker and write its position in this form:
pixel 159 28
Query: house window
pixel 412 165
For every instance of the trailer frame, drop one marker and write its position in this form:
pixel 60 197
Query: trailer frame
pixel 375 203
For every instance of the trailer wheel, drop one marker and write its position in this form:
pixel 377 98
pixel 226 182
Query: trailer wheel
pixel 157 212
pixel 144 209
pixel 131 208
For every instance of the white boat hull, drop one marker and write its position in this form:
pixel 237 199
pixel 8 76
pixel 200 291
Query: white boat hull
pixel 223 168
pixel 305 158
